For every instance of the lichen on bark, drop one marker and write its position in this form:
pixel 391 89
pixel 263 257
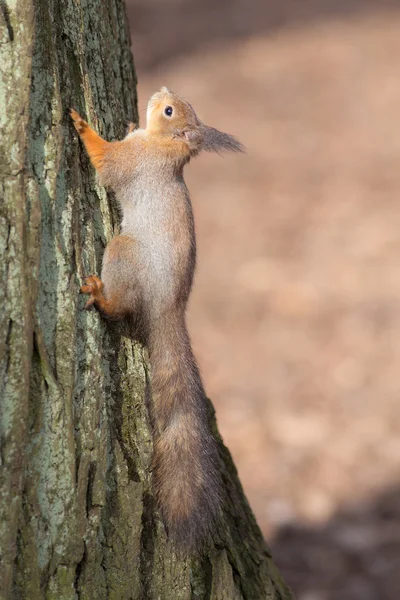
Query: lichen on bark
pixel 77 515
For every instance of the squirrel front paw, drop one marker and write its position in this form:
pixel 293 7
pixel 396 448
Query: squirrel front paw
pixel 93 286
pixel 79 124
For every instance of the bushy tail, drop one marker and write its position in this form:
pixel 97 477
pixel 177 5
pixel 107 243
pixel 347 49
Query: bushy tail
pixel 185 461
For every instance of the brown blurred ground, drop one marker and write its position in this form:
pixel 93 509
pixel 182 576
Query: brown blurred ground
pixel 295 315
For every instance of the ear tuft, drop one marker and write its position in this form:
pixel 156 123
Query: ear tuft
pixel 219 142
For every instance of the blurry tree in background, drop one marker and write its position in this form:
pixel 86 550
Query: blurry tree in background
pixel 77 512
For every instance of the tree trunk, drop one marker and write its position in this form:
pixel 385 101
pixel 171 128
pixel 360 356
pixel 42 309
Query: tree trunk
pixel 77 513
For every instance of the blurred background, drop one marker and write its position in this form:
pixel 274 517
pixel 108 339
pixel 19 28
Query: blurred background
pixel 295 314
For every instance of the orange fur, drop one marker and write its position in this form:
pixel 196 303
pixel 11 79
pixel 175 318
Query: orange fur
pixel 95 145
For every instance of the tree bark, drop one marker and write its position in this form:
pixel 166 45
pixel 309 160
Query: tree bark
pixel 78 518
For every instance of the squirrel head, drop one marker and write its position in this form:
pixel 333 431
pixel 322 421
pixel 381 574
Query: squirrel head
pixel 171 117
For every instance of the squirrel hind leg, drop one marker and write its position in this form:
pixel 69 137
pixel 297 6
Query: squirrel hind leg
pixel 94 144
pixel 120 274
pixel 110 308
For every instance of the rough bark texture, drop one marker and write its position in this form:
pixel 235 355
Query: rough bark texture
pixel 77 513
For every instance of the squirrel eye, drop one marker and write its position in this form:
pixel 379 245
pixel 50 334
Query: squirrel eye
pixel 168 110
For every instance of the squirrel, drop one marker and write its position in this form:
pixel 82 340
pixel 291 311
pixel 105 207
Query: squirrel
pixel 147 274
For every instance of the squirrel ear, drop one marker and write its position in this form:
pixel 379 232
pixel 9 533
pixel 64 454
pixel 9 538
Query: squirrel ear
pixel 219 142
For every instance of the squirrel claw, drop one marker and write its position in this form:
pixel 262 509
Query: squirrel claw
pixel 89 303
pixel 93 286
pixel 79 123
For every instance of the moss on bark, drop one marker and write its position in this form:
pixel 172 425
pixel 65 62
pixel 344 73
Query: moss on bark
pixel 77 513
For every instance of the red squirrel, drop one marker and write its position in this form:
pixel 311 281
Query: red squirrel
pixel 147 274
